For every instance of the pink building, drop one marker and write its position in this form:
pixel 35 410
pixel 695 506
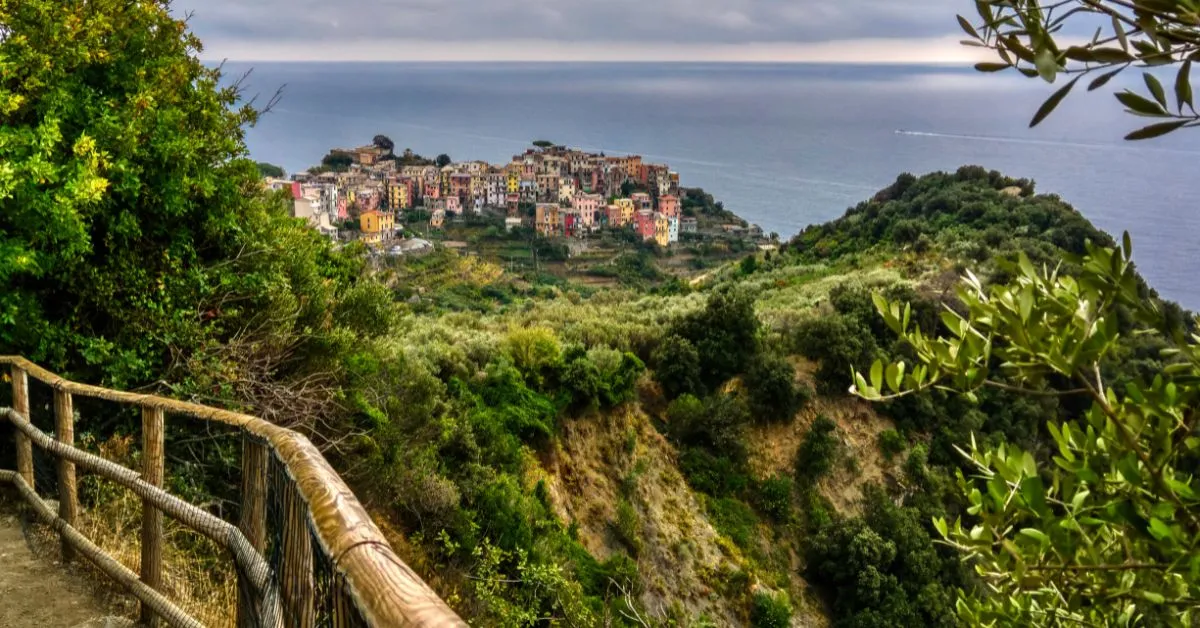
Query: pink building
pixel 669 205
pixel 616 217
pixel 453 205
pixel 588 205
pixel 645 224
pixel 343 208
pixel 641 200
pixel 460 185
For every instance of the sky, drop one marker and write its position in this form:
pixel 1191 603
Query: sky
pixel 580 30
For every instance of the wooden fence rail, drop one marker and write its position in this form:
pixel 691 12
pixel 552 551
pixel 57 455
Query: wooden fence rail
pixel 319 514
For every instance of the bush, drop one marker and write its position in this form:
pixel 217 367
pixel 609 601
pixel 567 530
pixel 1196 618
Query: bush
pixel 717 476
pixel 725 335
pixel 535 352
pixel 771 389
pixel 891 443
pixel 717 423
pixel 734 519
pixel 771 610
pixel 841 344
pixel 818 451
pixel 677 367
pixel 774 497
pixel 628 526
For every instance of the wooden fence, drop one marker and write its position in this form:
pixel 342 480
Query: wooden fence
pixel 317 560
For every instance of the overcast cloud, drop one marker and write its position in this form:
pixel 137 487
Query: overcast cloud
pixel 578 29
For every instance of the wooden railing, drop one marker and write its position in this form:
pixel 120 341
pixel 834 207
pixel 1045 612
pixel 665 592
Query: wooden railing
pixel 318 559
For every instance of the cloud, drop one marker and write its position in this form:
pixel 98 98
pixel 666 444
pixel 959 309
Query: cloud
pixel 592 29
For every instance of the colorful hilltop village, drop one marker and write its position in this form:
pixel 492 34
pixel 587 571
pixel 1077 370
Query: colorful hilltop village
pixel 559 191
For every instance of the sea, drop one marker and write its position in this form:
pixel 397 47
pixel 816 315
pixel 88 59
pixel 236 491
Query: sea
pixel 782 145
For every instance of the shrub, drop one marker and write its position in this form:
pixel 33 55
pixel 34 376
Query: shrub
pixel 717 476
pixel 771 610
pixel 628 526
pixel 891 443
pixel 535 352
pixel 774 497
pixel 717 423
pixel 841 344
pixel 771 388
pixel 725 335
pixel 677 367
pixel 818 451
pixel 733 518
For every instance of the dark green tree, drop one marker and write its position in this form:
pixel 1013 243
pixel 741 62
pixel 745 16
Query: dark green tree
pixel 442 160
pixel 384 143
pixel 270 170
pixel 771 390
pixel 677 367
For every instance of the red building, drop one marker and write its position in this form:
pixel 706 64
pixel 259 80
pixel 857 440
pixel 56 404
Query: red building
pixel 646 224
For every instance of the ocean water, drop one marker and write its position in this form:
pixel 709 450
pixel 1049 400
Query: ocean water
pixel 782 145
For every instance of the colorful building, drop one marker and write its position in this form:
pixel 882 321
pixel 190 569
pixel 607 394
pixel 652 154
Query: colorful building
pixel 628 210
pixel 376 226
pixel 645 224
pixel 616 218
pixel 547 220
pixel 588 206
pixel 642 200
pixel 662 229
pixel 669 205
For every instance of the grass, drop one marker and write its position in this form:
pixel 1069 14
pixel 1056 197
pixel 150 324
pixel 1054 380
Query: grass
pixel 198 575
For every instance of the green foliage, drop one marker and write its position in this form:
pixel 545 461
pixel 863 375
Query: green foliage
pixel 884 568
pixel 771 610
pixel 536 352
pixel 725 335
pixel 771 389
pixel 270 170
pixel 677 367
pixel 718 476
pixel 442 160
pixel 337 161
pixel 891 443
pixel 774 497
pixel 960 212
pixel 628 526
pixel 733 518
pixel 1143 33
pixel 136 242
pixel 717 423
pixel 818 451
pixel 1102 535
pixel 601 377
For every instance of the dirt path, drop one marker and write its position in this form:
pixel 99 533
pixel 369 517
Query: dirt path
pixel 35 591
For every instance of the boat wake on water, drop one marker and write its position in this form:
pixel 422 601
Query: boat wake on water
pixel 1037 142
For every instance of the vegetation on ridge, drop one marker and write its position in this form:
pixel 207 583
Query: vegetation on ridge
pixel 742 484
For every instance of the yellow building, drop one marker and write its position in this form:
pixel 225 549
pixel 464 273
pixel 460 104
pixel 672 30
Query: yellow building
pixel 376 226
pixel 662 230
pixel 398 197
pixel 628 209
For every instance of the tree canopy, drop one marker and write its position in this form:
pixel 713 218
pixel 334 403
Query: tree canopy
pixel 134 231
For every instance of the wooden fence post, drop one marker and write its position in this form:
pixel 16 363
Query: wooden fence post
pixel 64 432
pixel 296 573
pixel 253 522
pixel 20 390
pixel 152 519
